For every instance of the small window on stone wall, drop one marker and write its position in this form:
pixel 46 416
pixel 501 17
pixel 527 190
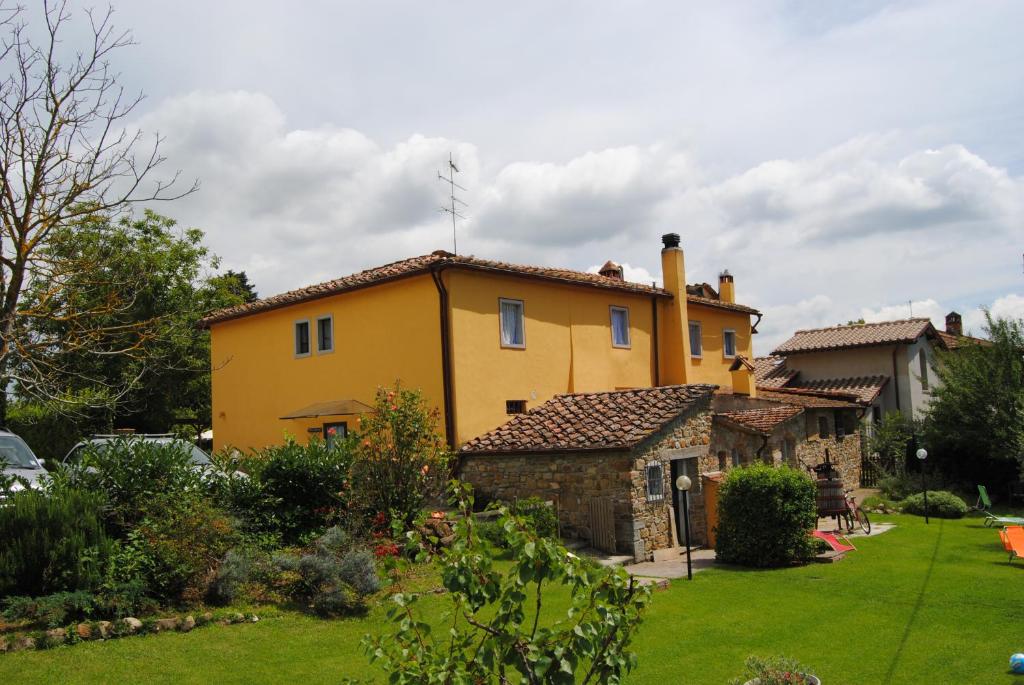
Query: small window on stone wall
pixel 655 482
pixel 735 457
pixel 723 460
pixel 822 427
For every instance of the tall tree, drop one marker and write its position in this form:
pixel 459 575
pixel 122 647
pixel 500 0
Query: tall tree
pixel 153 287
pixel 65 155
pixel 975 421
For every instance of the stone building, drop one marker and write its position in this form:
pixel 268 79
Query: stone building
pixel 609 461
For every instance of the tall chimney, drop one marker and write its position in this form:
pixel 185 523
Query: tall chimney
pixel 674 329
pixel 954 324
pixel 726 288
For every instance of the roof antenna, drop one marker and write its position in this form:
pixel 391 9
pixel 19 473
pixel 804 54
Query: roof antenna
pixel 910 303
pixel 455 203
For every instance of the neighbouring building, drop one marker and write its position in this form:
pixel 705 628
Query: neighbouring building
pixel 609 461
pixel 481 339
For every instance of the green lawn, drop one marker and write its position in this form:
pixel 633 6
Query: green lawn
pixel 919 604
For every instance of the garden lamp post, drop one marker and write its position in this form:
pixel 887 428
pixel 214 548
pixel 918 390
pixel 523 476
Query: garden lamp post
pixel 683 484
pixel 922 454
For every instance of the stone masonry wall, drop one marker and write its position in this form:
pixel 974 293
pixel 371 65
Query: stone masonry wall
pixel 569 480
pixel 844 452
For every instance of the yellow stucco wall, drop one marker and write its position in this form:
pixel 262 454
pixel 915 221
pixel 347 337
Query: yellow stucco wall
pixel 381 333
pixel 568 345
pixel 713 366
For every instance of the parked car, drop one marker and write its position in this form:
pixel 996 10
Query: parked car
pixel 200 459
pixel 17 460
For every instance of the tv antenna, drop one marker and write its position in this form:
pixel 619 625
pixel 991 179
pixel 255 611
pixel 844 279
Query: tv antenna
pixel 455 205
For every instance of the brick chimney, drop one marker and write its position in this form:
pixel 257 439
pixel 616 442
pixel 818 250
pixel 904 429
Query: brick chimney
pixel 612 270
pixel 954 324
pixel 726 288
pixel 674 328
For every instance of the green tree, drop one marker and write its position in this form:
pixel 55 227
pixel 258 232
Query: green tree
pixel 974 428
pixel 235 283
pixel 136 348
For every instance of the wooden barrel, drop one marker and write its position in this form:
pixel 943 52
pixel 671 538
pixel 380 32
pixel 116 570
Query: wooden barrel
pixel 831 498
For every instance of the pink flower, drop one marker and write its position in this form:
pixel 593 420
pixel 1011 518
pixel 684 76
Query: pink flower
pixel 332 431
pixel 394 407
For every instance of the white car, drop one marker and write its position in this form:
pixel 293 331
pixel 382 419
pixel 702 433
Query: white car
pixel 200 459
pixel 17 460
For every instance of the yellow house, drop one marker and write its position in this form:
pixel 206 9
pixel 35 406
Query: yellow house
pixel 481 339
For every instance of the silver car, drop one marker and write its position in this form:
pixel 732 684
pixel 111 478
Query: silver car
pixel 17 460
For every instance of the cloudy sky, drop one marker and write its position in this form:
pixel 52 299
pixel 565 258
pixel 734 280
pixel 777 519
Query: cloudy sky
pixel 841 159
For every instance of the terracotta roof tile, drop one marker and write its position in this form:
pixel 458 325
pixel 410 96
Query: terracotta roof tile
pixel 591 421
pixel 864 388
pixel 856 335
pixel 953 342
pixel 811 399
pixel 763 419
pixel 771 372
pixel 422 264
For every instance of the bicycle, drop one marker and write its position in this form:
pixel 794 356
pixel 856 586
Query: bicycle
pixel 855 515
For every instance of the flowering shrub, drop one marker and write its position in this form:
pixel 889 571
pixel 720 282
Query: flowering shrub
pixel 401 460
pixel 775 671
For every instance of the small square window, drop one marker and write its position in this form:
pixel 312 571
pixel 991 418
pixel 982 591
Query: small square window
pixel 302 338
pixel 696 344
pixel 729 343
pixel 325 334
pixel 655 482
pixel 620 327
pixel 335 432
pixel 513 327
pixel 515 406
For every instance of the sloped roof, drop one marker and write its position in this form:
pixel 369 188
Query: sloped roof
pixel 771 372
pixel 762 419
pixel 864 388
pixel 953 342
pixel 811 399
pixel 591 421
pixel 856 335
pixel 439 258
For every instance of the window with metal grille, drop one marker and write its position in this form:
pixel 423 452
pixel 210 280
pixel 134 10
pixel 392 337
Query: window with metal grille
pixel 515 406
pixel 655 482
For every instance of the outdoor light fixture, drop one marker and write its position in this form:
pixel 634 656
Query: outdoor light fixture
pixel 683 485
pixel 922 454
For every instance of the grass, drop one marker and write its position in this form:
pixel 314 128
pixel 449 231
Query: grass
pixel 919 604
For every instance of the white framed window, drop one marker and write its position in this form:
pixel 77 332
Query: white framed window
pixel 696 344
pixel 302 338
pixel 655 482
pixel 325 334
pixel 620 326
pixel 729 342
pixel 513 325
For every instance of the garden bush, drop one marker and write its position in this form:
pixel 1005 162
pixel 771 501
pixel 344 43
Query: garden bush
pixel 50 432
pixel 52 543
pixel 401 461
pixel 334 578
pixel 534 512
pixel 941 504
pixel 131 474
pixel 292 491
pixel 765 516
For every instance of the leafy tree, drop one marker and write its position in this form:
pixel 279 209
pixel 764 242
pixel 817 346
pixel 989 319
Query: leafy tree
pixel 498 630
pixel 974 428
pixel 65 155
pixel 235 284
pixel 138 349
pixel 890 440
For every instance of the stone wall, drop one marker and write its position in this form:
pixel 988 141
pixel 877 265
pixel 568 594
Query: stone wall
pixel 687 438
pixel 844 452
pixel 569 479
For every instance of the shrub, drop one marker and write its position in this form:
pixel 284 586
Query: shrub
pixel 774 671
pixel 897 487
pixel 176 548
pixel 51 543
pixel 54 610
pixel 333 579
pixel 765 515
pixel 534 512
pixel 48 431
pixel 131 474
pixel 941 504
pixel 234 571
pixel 401 460
pixel 292 491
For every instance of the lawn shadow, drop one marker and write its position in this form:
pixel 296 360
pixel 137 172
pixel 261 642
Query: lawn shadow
pixel 917 606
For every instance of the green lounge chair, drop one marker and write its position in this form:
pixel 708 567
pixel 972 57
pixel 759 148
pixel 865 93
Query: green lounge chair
pixel 984 504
